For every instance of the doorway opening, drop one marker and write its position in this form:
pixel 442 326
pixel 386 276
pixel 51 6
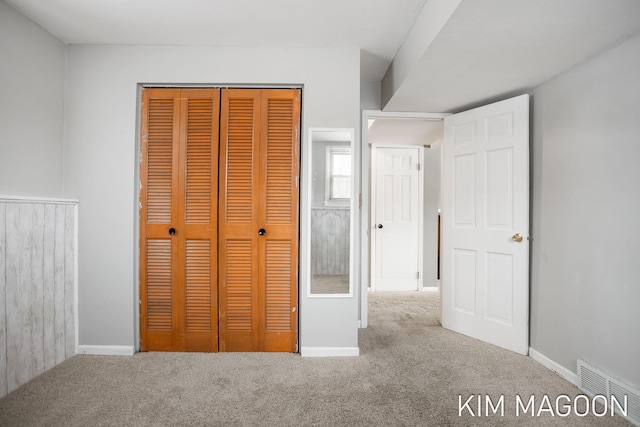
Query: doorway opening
pixel 219 203
pixel 421 135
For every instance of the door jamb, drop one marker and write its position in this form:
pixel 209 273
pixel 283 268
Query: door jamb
pixel 365 221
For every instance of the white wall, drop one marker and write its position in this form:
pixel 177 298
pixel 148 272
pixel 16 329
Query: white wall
pixel 370 93
pixel 101 166
pixel 585 288
pixel 32 72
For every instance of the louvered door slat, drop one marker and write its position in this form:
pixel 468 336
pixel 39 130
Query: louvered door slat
pixel 239 286
pixel 240 167
pixel 159 301
pixel 278 262
pixel 198 285
pixel 159 175
pixel 199 167
pixel 281 133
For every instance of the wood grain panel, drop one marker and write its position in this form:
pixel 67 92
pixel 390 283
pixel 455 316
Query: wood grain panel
pixel 330 241
pixel 58 283
pixel 13 300
pixel 37 291
pixel 49 314
pixel 69 266
pixel 25 326
pixel 29 268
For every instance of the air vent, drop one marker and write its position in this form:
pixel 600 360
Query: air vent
pixel 594 381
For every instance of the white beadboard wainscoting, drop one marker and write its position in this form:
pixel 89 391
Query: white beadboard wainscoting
pixel 38 292
pixel 330 241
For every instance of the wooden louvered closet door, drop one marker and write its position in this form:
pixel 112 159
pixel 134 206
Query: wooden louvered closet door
pixel 178 217
pixel 258 225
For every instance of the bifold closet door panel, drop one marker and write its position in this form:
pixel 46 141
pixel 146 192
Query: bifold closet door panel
pixel 158 200
pixel 278 208
pixel 238 224
pixel 258 228
pixel 198 218
pixel 178 233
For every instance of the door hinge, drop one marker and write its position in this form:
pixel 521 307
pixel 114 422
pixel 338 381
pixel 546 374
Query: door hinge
pixel 360 201
pixel 417 275
pixel 418 166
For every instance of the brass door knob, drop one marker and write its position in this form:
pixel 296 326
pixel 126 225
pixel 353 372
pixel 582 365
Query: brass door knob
pixel 517 237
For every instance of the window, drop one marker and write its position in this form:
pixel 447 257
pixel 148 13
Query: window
pixel 338 181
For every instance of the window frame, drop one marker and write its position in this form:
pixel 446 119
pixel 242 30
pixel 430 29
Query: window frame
pixel 329 199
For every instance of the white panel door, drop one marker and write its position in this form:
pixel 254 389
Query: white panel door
pixel 396 219
pixel 485 223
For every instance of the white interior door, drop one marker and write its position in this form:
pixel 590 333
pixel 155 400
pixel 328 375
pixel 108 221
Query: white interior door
pixel 485 223
pixel 396 219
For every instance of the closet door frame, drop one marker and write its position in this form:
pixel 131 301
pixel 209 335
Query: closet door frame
pixel 137 184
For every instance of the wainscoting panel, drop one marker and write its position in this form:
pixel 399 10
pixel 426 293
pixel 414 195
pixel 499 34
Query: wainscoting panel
pixel 37 287
pixel 330 241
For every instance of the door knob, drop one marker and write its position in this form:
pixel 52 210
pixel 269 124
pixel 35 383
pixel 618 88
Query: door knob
pixel 517 237
pixel 172 231
pixel 262 232
pixel 379 225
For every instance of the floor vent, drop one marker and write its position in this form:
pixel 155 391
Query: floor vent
pixel 595 382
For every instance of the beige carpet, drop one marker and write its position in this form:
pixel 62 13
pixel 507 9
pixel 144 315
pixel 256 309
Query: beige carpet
pixel 410 373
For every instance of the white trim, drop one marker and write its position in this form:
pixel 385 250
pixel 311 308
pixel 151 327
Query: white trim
pixel 403 115
pixel 27 199
pixel 107 350
pixel 565 373
pixel 329 351
pixel 76 316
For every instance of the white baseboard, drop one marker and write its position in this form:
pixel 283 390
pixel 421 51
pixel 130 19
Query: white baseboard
pixel 106 350
pixel 329 351
pixel 555 367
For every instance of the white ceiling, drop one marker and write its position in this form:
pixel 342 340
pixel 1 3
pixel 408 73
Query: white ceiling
pixel 491 49
pixel 378 27
pixel 487 49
